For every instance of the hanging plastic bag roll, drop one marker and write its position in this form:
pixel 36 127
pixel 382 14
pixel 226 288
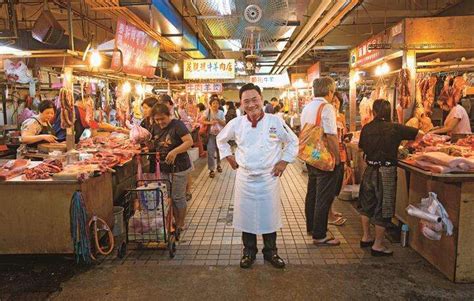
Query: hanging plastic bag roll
pixel 413 211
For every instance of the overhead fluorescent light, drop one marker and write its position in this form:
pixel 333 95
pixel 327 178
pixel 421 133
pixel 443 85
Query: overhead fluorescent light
pixel 224 7
pixel 9 50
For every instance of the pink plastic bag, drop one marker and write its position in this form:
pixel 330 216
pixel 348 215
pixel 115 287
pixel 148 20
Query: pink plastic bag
pixel 139 134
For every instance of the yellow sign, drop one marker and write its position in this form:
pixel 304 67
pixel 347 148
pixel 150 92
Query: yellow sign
pixel 209 69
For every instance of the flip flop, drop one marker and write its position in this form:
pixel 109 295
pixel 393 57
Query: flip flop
pixel 338 222
pixel 381 253
pixel 327 242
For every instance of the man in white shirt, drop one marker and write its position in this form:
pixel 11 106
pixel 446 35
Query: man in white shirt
pixel 321 186
pixel 265 146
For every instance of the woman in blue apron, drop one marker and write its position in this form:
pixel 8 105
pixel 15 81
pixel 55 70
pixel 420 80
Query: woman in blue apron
pixel 380 139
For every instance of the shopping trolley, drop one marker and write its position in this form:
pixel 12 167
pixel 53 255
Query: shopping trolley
pixel 148 213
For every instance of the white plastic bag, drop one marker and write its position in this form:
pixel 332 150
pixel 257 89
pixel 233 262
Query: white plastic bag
pixel 434 220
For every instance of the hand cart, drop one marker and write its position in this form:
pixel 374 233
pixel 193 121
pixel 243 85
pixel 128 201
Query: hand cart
pixel 148 215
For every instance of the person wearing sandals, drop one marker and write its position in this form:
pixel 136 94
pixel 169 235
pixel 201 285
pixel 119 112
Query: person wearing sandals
pixel 336 218
pixel 171 139
pixel 215 120
pixel 379 140
pixel 321 189
pixel 265 146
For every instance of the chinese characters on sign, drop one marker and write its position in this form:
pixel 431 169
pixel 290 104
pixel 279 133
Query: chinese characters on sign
pixel 377 46
pixel 140 51
pixel 209 69
pixel 270 81
pixel 204 88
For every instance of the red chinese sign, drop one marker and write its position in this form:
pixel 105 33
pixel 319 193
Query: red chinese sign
pixel 313 72
pixel 378 46
pixel 140 51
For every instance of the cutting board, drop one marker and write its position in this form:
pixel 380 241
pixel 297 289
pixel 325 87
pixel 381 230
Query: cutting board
pixel 50 147
pixel 72 172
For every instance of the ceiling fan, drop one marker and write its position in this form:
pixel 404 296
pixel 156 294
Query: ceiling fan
pixel 247 24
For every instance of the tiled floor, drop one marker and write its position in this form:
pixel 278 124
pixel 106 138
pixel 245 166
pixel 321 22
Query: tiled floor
pixel 211 240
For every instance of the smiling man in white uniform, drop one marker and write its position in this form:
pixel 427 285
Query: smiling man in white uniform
pixel 265 146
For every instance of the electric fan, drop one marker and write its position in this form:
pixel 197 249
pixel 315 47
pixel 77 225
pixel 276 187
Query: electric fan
pixel 247 24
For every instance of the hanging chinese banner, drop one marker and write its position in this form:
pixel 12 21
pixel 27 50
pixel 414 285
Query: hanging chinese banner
pixel 140 52
pixel 204 88
pixel 209 69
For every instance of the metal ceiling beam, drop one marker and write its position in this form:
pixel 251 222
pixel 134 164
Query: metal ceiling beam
pixel 328 26
pixel 80 15
pixel 306 29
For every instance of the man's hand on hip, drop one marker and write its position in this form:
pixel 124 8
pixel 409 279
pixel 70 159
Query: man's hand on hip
pixel 232 162
pixel 279 168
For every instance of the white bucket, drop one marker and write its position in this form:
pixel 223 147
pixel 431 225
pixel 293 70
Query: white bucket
pixel 118 221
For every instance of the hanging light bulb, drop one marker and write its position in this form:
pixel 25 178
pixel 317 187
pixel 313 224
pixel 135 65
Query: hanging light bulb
pixel 95 59
pixel 176 68
pixel 385 68
pixel 126 88
pixel 378 71
pixel 356 77
pixel 139 89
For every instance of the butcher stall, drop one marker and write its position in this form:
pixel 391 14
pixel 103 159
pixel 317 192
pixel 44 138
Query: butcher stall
pixel 446 169
pixel 410 64
pixel 35 216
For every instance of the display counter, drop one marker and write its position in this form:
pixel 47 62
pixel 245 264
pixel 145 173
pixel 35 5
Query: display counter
pixel 452 255
pixel 123 178
pixel 35 215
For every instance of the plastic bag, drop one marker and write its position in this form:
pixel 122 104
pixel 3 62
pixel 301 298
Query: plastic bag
pixel 139 134
pixel 25 114
pixel 145 221
pixel 434 220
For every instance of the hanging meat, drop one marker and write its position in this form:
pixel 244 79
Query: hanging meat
pixel 403 93
pixel 430 93
pixel 459 84
pixel 452 92
pixel 403 82
pixel 67 108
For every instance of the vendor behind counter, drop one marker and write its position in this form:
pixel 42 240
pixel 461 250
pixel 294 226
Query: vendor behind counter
pixel 456 123
pixel 84 115
pixel 38 129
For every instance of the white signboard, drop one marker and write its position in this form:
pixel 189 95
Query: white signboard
pixel 209 69
pixel 271 81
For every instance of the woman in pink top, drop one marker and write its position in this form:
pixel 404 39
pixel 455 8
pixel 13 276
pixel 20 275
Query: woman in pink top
pixel 457 122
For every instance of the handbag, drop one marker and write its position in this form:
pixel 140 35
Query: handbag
pixel 313 147
pixel 204 129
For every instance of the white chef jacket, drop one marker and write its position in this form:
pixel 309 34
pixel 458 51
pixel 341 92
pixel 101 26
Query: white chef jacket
pixel 257 191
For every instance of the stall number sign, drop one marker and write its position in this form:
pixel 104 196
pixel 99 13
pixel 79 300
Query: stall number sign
pixel 204 88
pixel 140 52
pixel 270 81
pixel 209 69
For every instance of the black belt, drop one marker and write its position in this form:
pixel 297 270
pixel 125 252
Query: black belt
pixel 381 163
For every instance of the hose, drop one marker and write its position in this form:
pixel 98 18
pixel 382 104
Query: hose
pixel 94 223
pixel 79 230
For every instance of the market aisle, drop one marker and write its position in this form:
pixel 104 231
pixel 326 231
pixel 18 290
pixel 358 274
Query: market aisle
pixel 211 240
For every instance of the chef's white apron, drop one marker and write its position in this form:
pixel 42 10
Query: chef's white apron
pixel 257 202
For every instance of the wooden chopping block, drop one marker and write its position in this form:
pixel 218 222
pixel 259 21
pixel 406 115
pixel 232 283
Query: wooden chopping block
pixel 73 173
pixel 49 147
